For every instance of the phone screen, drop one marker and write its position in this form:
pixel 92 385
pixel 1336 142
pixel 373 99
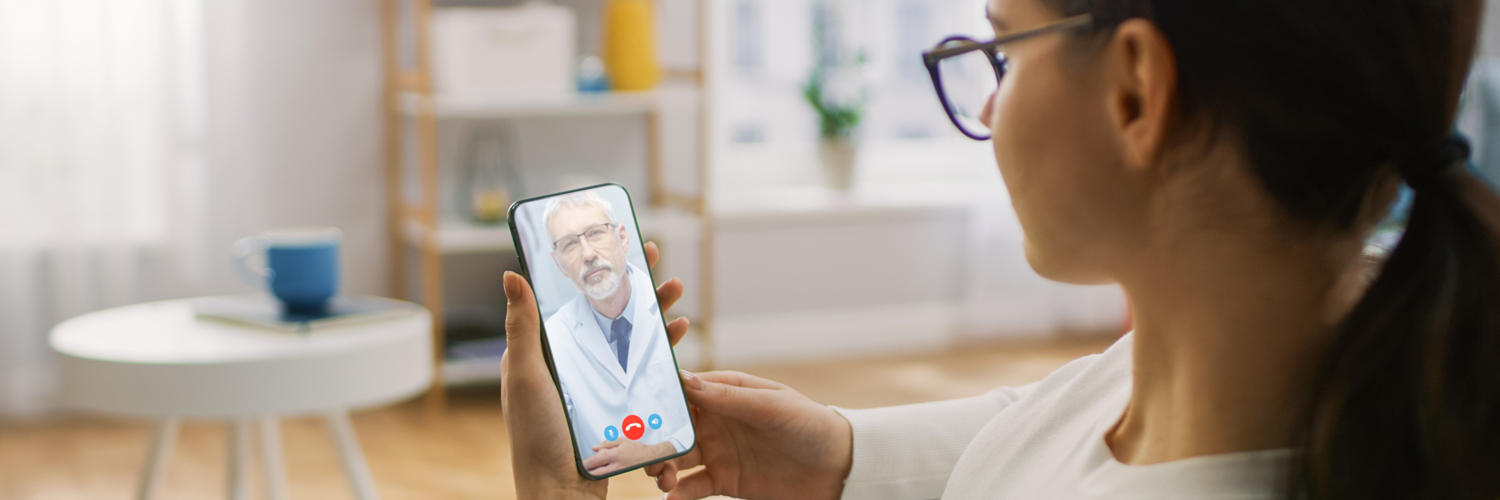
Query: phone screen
pixel 604 333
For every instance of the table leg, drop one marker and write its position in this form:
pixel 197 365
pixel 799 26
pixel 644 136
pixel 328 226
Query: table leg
pixel 157 458
pixel 350 454
pixel 271 464
pixel 239 459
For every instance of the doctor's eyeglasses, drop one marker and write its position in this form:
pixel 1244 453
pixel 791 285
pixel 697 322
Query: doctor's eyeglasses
pixel 597 236
pixel 959 67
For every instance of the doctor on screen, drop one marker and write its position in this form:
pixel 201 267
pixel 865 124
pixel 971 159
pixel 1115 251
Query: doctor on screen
pixel 619 380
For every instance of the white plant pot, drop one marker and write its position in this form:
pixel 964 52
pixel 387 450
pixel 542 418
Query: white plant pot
pixel 838 158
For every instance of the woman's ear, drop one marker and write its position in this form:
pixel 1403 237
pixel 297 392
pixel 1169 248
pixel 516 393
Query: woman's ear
pixel 1143 86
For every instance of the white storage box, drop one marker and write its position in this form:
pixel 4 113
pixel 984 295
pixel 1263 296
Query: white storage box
pixel 523 52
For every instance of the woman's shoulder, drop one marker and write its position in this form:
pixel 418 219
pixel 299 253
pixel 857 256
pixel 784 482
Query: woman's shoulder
pixel 1108 369
pixel 1051 438
pixel 1079 393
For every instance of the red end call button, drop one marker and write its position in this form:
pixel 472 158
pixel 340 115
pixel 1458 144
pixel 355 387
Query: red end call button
pixel 633 427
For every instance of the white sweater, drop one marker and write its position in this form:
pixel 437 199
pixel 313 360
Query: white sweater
pixel 1036 442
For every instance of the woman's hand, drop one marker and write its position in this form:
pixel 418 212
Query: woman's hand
pixel 758 439
pixel 541 452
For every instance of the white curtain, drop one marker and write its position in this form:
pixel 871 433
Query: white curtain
pixel 140 138
pixel 100 122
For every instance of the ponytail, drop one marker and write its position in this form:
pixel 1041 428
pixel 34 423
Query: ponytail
pixel 1322 95
pixel 1408 401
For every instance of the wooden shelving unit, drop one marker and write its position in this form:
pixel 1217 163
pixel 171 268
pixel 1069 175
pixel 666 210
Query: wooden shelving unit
pixel 417 225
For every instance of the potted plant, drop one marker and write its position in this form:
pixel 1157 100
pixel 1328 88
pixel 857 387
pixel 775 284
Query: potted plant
pixel 836 91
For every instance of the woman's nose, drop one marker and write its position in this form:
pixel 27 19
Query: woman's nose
pixel 985 113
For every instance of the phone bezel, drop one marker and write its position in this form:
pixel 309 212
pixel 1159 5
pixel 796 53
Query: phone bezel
pixel 515 235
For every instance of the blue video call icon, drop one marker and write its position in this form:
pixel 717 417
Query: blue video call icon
pixel 611 433
pixel 654 421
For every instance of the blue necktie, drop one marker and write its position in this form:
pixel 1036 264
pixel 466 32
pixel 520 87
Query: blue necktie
pixel 620 329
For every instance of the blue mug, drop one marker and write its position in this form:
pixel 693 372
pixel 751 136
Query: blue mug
pixel 301 267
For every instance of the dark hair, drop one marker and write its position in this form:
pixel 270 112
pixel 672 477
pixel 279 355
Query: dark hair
pixel 1329 99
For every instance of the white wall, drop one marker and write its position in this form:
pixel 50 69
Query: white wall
pixel 294 131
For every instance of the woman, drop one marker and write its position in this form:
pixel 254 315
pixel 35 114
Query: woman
pixel 1224 162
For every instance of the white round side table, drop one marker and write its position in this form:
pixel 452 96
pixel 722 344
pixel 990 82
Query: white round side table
pixel 157 360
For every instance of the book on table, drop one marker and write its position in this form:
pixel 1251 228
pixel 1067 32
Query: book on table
pixel 266 312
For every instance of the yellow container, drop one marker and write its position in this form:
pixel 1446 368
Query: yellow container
pixel 630 45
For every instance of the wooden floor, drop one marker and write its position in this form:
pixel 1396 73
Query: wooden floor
pixel 463 454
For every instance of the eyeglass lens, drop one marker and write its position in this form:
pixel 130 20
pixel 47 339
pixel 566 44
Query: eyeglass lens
pixel 968 80
pixel 597 236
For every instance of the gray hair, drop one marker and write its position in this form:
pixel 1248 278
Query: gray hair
pixel 577 199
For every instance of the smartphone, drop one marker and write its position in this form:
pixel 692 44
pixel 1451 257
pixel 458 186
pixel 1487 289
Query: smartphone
pixel 603 333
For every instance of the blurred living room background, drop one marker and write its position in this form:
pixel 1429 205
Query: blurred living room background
pixel 865 263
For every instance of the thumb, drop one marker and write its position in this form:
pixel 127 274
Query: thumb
pixel 522 330
pixel 744 404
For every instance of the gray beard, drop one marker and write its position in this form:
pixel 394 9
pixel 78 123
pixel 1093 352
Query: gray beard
pixel 605 287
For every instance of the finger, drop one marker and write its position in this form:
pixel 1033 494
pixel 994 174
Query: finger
pixel 666 476
pixel 746 404
pixel 606 445
pixel 692 459
pixel 668 293
pixel 522 330
pixel 740 379
pixel 652 254
pixel 676 330
pixel 666 472
pixel 694 486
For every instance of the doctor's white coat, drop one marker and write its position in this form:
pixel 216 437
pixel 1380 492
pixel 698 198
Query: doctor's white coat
pixel 597 393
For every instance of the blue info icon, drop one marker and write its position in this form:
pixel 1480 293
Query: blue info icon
pixel 611 433
pixel 654 421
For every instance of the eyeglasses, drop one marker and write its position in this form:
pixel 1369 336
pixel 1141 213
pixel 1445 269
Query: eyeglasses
pixel 597 236
pixel 957 66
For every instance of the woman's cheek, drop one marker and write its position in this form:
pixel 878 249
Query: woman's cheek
pixel 1011 120
pixel 1030 123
